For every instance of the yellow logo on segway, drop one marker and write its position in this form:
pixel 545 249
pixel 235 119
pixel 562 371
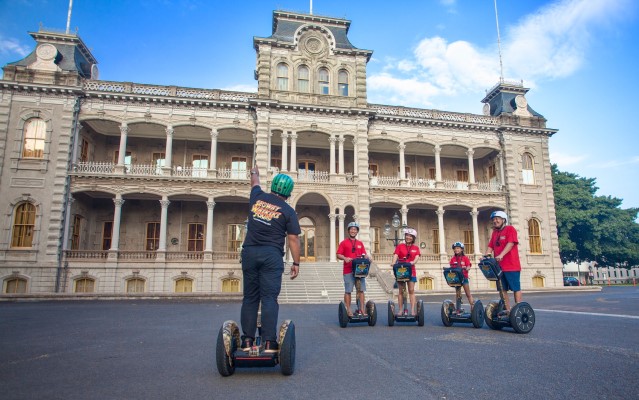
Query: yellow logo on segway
pixel 402 270
pixel 452 276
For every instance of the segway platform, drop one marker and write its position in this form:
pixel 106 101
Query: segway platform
pixel 370 317
pixel 453 311
pixel 230 356
pixel 403 316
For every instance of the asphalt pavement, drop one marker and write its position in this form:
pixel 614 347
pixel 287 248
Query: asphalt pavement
pixel 583 345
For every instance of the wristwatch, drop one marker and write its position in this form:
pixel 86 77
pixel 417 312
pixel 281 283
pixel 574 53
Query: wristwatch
pixel 296 264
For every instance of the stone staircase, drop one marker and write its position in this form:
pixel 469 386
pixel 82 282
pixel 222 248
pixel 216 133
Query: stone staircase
pixel 322 282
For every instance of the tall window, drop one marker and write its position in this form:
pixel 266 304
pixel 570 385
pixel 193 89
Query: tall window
pixel 303 78
pixel 276 163
pixel 534 236
pixel 234 242
pixel 196 237
pixel 342 83
pixel 200 165
pixel 152 236
pixel 238 168
pixel 323 81
pixel 84 285
pixel 107 234
pixel 84 151
pixel 435 241
pixel 282 76
pixel 373 169
pixel 135 285
pixel 23 225
pixel 35 131
pixel 469 245
pixel 15 285
pixel 375 239
pixel 425 283
pixel 406 171
pixel 492 172
pixel 159 161
pixel 183 285
pixel 75 236
pixel 462 176
pixel 527 170
pixel 432 173
pixel 231 285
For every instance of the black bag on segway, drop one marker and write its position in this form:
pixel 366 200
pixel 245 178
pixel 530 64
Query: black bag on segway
pixel 490 268
pixel 361 265
pixel 454 276
pixel 402 271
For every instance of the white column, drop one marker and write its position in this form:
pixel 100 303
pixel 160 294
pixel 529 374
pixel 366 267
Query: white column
pixel 164 203
pixel 293 137
pixel 331 224
pixel 471 167
pixel 213 158
pixel 210 204
pixel 341 218
pixel 340 140
pixel 501 168
pixel 402 162
pixel 331 141
pixel 355 158
pixel 284 151
pixel 440 224
pixel 404 212
pixel 124 130
pixel 117 216
pixel 168 152
pixel 438 164
pixel 67 222
pixel 474 214
pixel 269 152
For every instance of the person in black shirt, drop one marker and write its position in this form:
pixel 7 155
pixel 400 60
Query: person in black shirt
pixel 271 220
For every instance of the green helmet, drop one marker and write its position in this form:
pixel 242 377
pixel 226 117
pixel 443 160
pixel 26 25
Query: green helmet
pixel 282 184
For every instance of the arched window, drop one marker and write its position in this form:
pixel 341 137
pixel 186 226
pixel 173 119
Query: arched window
pixel 323 81
pixel 231 285
pixel 34 135
pixel 425 283
pixel 15 285
pixel 183 285
pixel 84 285
pixel 135 285
pixel 538 281
pixel 23 225
pixel 342 83
pixel 303 78
pixel 534 236
pixel 527 170
pixel 282 76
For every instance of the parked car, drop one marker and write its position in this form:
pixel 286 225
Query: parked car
pixel 571 281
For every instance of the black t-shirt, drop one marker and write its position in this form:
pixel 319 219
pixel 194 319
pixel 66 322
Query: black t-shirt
pixel 270 220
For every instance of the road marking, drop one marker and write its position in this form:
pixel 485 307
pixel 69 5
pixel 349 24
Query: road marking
pixel 590 313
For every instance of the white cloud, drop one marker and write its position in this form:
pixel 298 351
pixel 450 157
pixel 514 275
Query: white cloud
pixel 563 160
pixel 13 46
pixel 617 163
pixel 242 88
pixel 549 44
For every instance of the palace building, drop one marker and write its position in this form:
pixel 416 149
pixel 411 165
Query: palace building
pixel 118 187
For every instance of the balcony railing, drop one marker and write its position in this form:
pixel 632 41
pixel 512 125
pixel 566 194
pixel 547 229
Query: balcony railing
pixel 392 181
pixel 91 167
pixel 242 174
pixel 184 255
pixel 190 172
pixel 86 254
pixel 313 176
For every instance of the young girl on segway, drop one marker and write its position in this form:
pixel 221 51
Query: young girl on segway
pixel 408 252
pixel 460 260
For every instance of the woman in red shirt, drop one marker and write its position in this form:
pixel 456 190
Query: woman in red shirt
pixel 408 252
pixel 460 260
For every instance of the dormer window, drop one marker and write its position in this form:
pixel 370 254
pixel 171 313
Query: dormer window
pixel 282 76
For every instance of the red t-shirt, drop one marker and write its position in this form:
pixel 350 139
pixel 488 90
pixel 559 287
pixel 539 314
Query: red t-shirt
pixel 463 262
pixel 407 253
pixel 346 249
pixel 499 240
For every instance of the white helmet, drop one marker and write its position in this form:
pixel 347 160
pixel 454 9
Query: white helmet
pixel 499 214
pixel 410 231
pixel 353 225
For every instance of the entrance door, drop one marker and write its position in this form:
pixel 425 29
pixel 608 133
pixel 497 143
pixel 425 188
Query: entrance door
pixel 307 239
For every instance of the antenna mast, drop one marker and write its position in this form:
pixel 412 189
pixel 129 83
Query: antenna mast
pixel 69 15
pixel 311 7
pixel 501 65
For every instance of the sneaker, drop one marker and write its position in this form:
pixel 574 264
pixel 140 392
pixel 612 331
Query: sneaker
pixel 271 346
pixel 247 343
pixel 405 312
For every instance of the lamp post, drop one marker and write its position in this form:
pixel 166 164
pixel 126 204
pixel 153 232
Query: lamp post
pixel 578 269
pixel 395 224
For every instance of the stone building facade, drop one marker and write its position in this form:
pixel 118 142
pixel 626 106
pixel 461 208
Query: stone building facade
pixel 117 187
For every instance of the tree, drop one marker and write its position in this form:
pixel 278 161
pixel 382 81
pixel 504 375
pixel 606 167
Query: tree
pixel 591 227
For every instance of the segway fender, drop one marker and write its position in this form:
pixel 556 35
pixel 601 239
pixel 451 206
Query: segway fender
pixel 283 330
pixel 231 335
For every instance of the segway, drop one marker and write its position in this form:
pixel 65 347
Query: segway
pixel 402 272
pixel 521 317
pixel 229 355
pixel 453 312
pixel 361 266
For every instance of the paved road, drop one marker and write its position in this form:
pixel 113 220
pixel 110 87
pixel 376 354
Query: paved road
pixel 584 345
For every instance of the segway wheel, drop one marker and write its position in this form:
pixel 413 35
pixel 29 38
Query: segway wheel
pixel 391 313
pixel 224 363
pixel 371 309
pixel 421 318
pixel 522 318
pixel 491 312
pixel 477 315
pixel 447 307
pixel 343 315
pixel 287 350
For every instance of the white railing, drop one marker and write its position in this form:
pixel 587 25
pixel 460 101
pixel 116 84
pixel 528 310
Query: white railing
pixel 136 255
pixel 143 169
pixel 350 178
pixel 91 167
pixel 87 254
pixel 313 176
pixel 190 172
pixel 422 183
pixel 226 173
pixel 384 181
pixel 434 114
pixel 489 186
pixel 184 255
pixel 455 185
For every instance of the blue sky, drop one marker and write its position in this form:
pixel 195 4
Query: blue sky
pixel 579 57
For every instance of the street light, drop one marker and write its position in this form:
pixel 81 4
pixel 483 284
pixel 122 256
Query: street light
pixel 387 230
